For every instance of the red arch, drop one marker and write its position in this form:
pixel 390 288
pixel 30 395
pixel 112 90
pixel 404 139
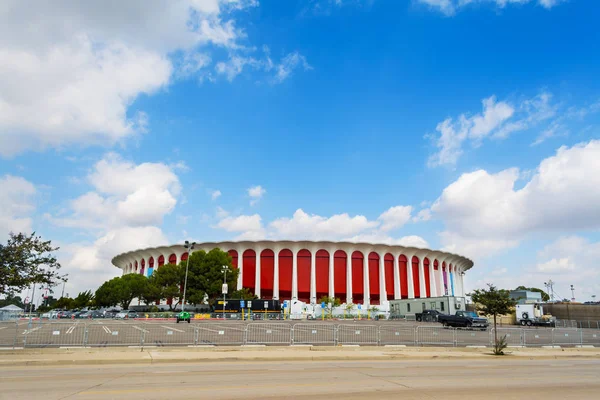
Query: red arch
pixel 136 266
pixel 358 279
pixel 416 277
pixel 374 289
pixel 234 258
pixel 304 260
pixel 184 257
pixel 267 270
pixel 161 261
pixel 388 268
pixel 151 262
pixel 322 273
pixel 403 261
pixel 427 281
pixel 340 272
pixel 249 270
pixel 285 274
pixel 173 259
pixel 143 269
pixel 444 280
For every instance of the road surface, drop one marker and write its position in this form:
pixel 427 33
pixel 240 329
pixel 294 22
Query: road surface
pixel 431 379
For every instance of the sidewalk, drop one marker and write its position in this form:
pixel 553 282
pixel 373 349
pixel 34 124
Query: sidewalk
pixel 149 355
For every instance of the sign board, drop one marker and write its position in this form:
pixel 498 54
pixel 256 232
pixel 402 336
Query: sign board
pixel 169 332
pixel 224 288
pixel 242 304
pixel 360 306
pixel 266 304
pixel 323 304
pixel 56 333
pixel 115 333
pixel 249 304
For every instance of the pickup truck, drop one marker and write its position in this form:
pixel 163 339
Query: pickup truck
pixel 466 319
pixel 428 316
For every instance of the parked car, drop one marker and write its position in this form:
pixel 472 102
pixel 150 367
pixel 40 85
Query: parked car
pixel 466 319
pixel 91 314
pixel 184 316
pixel 127 314
pixel 428 315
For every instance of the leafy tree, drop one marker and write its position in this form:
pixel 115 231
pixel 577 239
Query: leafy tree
pixel 545 296
pixel 243 294
pixel 205 275
pixel 120 290
pixel 65 303
pixel 152 291
pixel 169 280
pixel 494 302
pixel 83 299
pixel 331 303
pixel 27 260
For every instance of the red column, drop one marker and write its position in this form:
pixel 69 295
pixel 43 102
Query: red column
pixel 249 268
pixel 322 273
pixel 267 271
pixel 427 281
pixel 358 287
pixel 416 277
pixel 374 290
pixel 285 274
pixel 340 272
pixel 304 260
pixel 388 268
pixel 403 262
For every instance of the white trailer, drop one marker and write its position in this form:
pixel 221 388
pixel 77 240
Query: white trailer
pixel 533 314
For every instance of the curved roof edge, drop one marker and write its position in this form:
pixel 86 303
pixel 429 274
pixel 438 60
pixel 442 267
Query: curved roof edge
pixel 288 243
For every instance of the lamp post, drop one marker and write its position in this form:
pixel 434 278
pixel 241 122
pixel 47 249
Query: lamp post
pixel 189 247
pixel 572 293
pixel 224 270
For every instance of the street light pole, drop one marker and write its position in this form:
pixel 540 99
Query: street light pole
pixel 224 271
pixel 189 248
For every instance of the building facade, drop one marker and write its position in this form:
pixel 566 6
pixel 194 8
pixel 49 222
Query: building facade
pixel 359 273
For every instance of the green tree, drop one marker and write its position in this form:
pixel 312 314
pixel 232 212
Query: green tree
pixel 27 260
pixel 120 290
pixel 545 296
pixel 205 276
pixel 331 303
pixel 83 299
pixel 152 291
pixel 493 301
pixel 64 303
pixel 169 280
pixel 243 294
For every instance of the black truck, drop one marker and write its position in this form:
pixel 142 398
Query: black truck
pixel 464 319
pixel 428 316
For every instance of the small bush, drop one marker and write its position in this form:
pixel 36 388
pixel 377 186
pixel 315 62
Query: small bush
pixel 499 346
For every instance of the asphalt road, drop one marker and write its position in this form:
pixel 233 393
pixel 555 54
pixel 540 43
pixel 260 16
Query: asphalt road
pixel 106 333
pixel 432 379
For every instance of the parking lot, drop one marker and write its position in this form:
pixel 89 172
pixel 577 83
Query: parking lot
pixel 143 332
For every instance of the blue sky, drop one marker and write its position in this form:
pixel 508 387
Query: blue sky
pixel 465 126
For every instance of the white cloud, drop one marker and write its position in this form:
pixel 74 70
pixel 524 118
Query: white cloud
pixel 497 120
pixel 256 193
pixel 16 205
pixel 556 265
pixel 450 7
pixel 215 194
pixel 306 226
pixel 236 64
pixel 378 237
pixel 476 248
pixel 484 213
pixel 73 83
pixel 395 217
pixel 241 223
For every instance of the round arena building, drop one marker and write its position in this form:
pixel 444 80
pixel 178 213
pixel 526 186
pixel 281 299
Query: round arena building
pixel 359 273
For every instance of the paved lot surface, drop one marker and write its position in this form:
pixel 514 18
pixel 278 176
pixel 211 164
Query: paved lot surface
pixel 408 379
pixel 108 333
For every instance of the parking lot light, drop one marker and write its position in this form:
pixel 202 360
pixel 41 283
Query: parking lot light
pixel 189 248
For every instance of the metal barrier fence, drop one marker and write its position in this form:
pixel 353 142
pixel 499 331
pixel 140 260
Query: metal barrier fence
pixel 136 333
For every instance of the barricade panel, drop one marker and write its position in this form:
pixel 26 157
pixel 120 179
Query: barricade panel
pixel 536 337
pixel 220 333
pixel 8 333
pixel 591 337
pixel 397 335
pixel 268 333
pixel 106 334
pixel 357 334
pixel 52 334
pixel 435 336
pixel 169 334
pixel 472 337
pixel 514 336
pixel 313 334
pixel 566 337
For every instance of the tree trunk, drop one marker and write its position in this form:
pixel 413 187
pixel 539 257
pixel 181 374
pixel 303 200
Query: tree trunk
pixel 495 330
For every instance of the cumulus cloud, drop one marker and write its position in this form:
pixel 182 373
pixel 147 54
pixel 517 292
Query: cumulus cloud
pixel 306 226
pixel 450 7
pixel 122 212
pixel 484 211
pixel 497 120
pixel 395 217
pixel 256 193
pixel 16 205
pixel 73 83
